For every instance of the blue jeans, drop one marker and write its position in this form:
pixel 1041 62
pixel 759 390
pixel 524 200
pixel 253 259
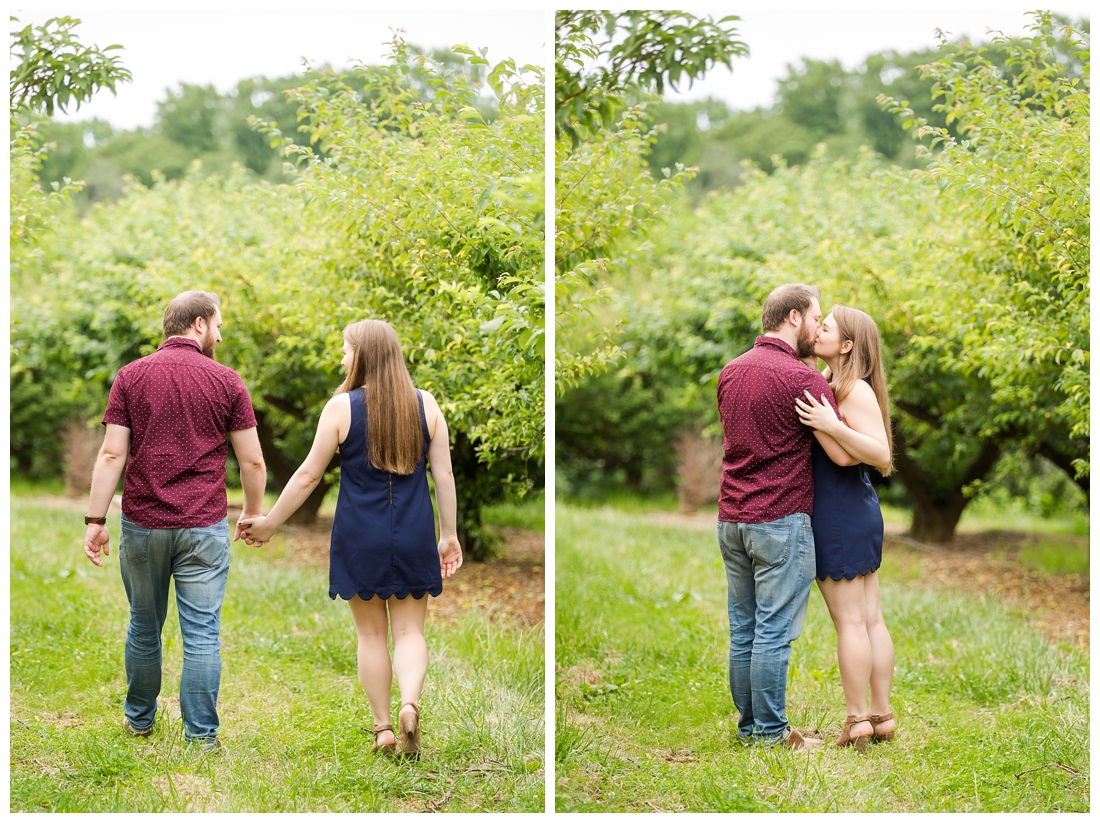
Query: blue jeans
pixel 769 569
pixel 198 559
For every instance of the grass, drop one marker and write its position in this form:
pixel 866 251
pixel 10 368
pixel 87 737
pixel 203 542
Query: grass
pixel 291 706
pixel 526 513
pixel 645 721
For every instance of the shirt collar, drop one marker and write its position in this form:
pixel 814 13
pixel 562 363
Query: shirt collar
pixel 778 342
pixel 180 341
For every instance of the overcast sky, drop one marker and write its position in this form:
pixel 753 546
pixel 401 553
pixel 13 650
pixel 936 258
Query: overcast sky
pixel 778 37
pixel 165 48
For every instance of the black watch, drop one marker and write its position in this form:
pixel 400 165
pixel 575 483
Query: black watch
pixel 101 521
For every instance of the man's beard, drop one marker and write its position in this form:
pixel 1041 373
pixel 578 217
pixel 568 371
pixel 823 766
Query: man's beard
pixel 208 343
pixel 805 341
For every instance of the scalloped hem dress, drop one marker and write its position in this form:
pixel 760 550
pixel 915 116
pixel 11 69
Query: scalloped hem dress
pixel 847 520
pixel 383 534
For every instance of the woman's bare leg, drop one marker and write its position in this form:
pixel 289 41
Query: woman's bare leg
pixel 882 653
pixel 410 651
pixel 845 599
pixel 375 672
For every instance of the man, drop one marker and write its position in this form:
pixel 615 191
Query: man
pixel 171 413
pixel 764 509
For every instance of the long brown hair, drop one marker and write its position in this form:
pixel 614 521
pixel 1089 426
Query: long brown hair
pixel 863 362
pixel 395 438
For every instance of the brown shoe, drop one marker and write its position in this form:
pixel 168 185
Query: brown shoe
pixel 130 730
pixel 846 738
pixel 876 721
pixel 388 748
pixel 408 741
pixel 797 742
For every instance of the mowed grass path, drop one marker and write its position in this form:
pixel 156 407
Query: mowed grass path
pixel 292 709
pixel 645 721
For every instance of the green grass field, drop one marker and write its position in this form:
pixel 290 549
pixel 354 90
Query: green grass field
pixel 645 721
pixel 292 710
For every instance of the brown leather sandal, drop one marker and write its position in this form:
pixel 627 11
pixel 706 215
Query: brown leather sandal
pixel 846 738
pixel 388 748
pixel 408 739
pixel 876 721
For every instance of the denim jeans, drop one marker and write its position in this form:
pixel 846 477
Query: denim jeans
pixel 769 569
pixel 198 560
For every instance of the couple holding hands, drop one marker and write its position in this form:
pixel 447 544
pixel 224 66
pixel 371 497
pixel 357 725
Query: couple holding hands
pixel 169 418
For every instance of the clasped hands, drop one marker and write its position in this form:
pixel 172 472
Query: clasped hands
pixel 817 415
pixel 254 529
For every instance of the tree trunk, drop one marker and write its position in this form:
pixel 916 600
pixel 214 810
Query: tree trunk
pixel 936 523
pixel 1064 460
pixel 471 495
pixel 283 469
pixel 936 514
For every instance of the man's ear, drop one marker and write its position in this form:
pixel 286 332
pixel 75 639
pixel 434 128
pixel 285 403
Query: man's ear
pixel 794 317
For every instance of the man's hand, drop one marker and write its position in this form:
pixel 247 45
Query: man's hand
pixel 450 556
pixel 97 539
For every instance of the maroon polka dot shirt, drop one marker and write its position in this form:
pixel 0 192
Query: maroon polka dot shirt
pixel 766 468
pixel 179 406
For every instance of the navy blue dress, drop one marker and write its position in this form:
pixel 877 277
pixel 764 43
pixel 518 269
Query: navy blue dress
pixel 847 520
pixel 383 535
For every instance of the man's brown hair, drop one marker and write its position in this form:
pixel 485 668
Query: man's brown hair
pixel 784 299
pixel 182 310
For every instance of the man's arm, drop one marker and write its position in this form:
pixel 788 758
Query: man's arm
pixel 109 464
pixel 250 458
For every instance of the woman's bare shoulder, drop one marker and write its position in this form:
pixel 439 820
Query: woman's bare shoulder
pixel 861 396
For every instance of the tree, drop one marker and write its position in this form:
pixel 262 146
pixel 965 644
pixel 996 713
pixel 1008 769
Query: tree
pixel 421 213
pixel 1019 169
pixel 657 48
pixel 605 194
pixel 54 68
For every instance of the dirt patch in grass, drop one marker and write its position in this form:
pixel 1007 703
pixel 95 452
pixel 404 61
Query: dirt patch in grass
pixel 1057 604
pixel 986 562
pixel 59 720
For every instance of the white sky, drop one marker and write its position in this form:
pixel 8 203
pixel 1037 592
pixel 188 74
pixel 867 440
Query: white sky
pixel 223 44
pixel 782 34
pixel 163 48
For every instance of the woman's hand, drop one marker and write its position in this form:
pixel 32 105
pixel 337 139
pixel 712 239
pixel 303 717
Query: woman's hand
pixel 816 415
pixel 256 530
pixel 450 556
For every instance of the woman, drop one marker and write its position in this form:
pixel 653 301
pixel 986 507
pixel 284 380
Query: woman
pixel 383 546
pixel 847 520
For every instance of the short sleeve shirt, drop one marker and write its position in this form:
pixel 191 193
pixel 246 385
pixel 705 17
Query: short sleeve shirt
pixel 179 406
pixel 767 472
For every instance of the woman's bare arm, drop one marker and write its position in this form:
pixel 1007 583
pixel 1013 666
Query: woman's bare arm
pixel 863 439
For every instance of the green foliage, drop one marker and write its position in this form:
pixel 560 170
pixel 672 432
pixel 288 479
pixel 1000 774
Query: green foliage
pixel 1019 170
pixel 197 122
pixel 595 68
pixel 423 213
pixel 53 68
pixel 605 198
pixel 972 271
pixel 443 218
pixel 604 194
pixel 820 102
